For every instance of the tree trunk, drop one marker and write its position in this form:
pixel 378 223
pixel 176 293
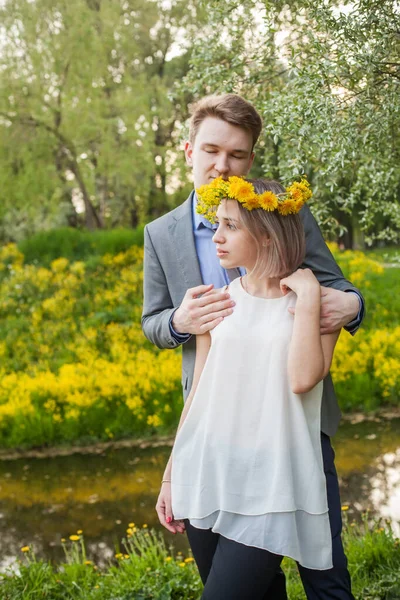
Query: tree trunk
pixel 92 219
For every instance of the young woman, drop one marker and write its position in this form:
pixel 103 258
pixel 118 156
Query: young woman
pixel 245 477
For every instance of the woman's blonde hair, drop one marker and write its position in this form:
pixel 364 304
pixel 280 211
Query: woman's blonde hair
pixel 280 240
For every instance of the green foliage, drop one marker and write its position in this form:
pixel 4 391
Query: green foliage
pixel 150 570
pixel 76 244
pixel 75 364
pixel 325 79
pixel 87 118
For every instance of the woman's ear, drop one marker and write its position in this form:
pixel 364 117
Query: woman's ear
pixel 266 242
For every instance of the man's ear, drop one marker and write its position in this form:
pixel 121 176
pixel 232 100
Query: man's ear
pixel 251 160
pixel 189 154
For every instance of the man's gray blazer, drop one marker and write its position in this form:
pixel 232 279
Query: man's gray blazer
pixel 171 267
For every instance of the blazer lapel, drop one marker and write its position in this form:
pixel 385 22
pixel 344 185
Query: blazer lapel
pixel 181 231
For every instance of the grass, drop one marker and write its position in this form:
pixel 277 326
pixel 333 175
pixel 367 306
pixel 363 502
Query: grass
pixel 147 569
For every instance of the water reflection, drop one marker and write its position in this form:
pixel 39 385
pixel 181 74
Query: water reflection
pixel 43 500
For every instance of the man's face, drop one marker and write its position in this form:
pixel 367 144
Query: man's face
pixel 219 150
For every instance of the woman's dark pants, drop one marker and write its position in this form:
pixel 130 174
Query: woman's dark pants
pixel 233 571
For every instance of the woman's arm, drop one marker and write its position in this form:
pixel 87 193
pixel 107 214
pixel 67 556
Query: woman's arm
pixel 164 503
pixel 203 344
pixel 310 354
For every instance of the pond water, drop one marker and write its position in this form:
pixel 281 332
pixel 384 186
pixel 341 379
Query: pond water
pixel 44 500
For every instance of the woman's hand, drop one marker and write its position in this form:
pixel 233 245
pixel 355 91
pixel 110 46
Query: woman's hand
pixel 164 510
pixel 302 282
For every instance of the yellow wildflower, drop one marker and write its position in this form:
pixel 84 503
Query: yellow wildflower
pixel 268 201
pixel 74 538
pixel 287 207
pixel 240 190
pixel 25 549
pixel 251 202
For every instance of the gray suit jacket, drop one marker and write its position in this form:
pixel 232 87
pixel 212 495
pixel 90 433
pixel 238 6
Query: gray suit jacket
pixel 171 267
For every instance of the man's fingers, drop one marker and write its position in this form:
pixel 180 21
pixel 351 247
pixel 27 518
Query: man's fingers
pixel 215 308
pixel 324 291
pixel 212 297
pixel 210 325
pixel 215 315
pixel 200 289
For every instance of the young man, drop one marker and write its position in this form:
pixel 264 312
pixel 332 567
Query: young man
pixel 182 272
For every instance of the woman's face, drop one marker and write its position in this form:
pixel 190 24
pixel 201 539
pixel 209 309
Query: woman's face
pixel 235 246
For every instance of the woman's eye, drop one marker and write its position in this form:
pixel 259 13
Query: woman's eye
pixel 230 226
pixel 211 151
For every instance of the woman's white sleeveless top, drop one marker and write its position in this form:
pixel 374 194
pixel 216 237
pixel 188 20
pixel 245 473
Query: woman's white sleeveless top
pixel 247 461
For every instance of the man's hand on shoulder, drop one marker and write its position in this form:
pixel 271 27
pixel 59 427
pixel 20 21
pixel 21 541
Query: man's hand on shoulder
pixel 201 310
pixel 337 309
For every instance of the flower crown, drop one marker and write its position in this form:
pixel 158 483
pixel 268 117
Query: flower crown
pixel 237 188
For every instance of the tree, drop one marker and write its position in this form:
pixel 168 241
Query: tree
pixel 86 115
pixel 325 77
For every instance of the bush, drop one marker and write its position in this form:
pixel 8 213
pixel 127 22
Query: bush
pixel 76 244
pixel 75 364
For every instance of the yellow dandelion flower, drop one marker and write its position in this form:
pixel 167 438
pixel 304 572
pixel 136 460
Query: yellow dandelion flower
pixel 126 556
pixel 345 507
pixel 144 525
pixel 168 558
pixel 74 538
pixel 239 189
pixel 251 202
pixel 119 555
pixel 25 549
pixel 63 540
pixel 189 560
pixel 79 532
pixel 182 564
pixel 88 562
pixel 131 524
pixel 286 207
pixel 268 201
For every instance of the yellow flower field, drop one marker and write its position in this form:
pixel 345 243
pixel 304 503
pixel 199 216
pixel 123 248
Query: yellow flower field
pixel 76 366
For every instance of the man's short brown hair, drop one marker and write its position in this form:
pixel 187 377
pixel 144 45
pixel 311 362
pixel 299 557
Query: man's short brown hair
pixel 228 107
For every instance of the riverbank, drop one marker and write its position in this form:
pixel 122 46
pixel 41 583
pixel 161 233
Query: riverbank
pixel 157 441
pixel 145 568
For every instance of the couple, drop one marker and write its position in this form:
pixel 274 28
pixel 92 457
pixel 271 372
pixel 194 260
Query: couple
pixel 251 477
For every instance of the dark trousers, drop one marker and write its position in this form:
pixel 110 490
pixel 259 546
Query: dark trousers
pixel 233 571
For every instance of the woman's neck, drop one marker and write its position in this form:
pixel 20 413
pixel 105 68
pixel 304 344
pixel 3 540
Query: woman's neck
pixel 266 287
